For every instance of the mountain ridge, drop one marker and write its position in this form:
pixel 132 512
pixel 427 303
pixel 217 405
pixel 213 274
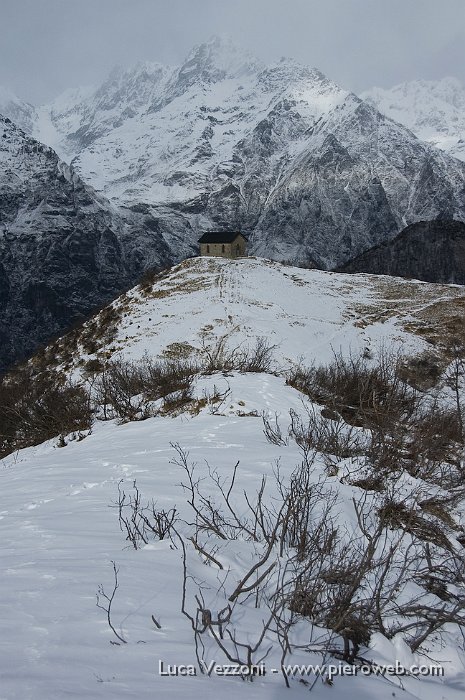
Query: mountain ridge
pixel 306 315
pixel 312 173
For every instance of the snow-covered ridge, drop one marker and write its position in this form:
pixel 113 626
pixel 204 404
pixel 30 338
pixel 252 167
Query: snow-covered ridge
pixel 433 109
pixel 308 315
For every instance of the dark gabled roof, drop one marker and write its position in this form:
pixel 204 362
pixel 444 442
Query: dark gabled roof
pixel 220 236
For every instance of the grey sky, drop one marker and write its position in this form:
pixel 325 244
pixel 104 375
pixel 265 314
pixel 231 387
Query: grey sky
pixel 49 45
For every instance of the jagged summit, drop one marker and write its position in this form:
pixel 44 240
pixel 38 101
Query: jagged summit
pixel 134 86
pixel 315 173
pixel 219 58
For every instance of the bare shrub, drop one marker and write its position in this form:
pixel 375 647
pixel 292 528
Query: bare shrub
pixel 332 437
pixel 218 357
pixel 393 569
pixel 403 429
pixel 93 366
pixel 427 446
pixel 175 402
pixel 258 358
pixel 37 408
pixel 362 393
pixel 119 391
pixel 221 358
pixel 161 378
pixel 105 602
pixel 273 431
pixel 307 526
pixel 215 514
pixel 436 435
pixel 363 584
pixel 127 390
pixel 143 522
pixel 455 379
pixel 422 371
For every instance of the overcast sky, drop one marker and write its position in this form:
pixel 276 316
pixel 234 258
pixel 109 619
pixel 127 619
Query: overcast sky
pixel 49 45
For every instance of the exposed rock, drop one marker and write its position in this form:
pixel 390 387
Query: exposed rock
pixel 433 251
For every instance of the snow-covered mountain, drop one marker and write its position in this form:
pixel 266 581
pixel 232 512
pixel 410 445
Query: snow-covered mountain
pixel 433 109
pixel 63 249
pixel 311 172
pixel 61 533
pixel 21 113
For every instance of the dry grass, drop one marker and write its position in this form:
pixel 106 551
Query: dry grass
pixel 439 509
pixel 434 312
pixel 180 351
pixel 423 371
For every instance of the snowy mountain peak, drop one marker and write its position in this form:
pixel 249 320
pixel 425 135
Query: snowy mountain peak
pixel 421 93
pixel 288 72
pixel 217 59
pixel 311 172
pixel 16 150
pixel 6 95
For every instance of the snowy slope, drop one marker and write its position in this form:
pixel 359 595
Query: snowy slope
pixel 59 524
pixel 307 314
pixel 60 534
pixel 433 109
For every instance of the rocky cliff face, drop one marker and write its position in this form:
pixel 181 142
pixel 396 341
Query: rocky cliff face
pixel 360 179
pixel 433 251
pixel 63 250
